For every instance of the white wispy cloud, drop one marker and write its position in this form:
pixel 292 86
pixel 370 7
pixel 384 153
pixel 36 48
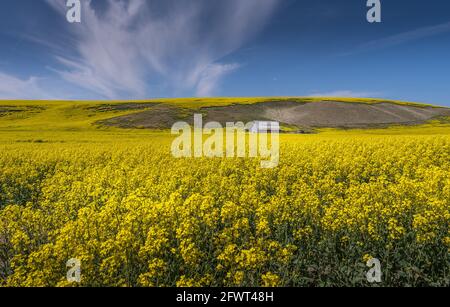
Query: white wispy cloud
pixel 402 38
pixel 346 93
pixel 182 43
pixel 211 76
pixel 12 87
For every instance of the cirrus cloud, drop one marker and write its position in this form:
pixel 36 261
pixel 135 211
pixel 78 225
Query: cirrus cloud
pixel 123 46
pixel 12 87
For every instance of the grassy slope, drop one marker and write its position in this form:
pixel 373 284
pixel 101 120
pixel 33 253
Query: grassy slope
pixel 75 120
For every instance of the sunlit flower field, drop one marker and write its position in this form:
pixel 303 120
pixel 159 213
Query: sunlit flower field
pixel 135 216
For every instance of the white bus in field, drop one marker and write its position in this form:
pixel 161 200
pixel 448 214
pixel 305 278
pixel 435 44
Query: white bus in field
pixel 265 127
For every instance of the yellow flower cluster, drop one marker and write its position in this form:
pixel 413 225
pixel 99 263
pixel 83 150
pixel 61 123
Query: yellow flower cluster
pixel 135 216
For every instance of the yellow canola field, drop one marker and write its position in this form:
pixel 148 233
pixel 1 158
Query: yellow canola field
pixel 135 216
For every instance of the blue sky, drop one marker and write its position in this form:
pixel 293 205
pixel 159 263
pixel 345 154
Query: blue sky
pixel 170 48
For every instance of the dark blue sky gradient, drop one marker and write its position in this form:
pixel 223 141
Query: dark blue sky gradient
pixel 305 48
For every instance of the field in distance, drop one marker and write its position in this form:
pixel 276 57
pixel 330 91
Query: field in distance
pixel 96 181
pixel 303 115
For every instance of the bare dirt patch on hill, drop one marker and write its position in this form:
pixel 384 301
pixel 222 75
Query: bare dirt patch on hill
pixel 6 110
pixel 323 114
pixel 158 116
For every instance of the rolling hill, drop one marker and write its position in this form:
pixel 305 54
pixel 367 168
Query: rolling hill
pixel 294 114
